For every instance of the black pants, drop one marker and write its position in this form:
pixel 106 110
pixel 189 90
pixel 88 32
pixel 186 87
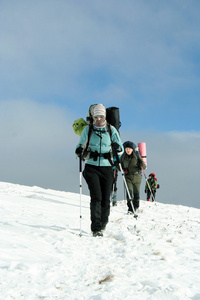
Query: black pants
pixel 150 195
pixel 134 202
pixel 134 190
pixel 99 180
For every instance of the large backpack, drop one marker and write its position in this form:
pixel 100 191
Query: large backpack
pixel 112 117
pixel 89 120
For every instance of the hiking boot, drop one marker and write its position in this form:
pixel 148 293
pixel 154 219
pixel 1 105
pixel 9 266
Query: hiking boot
pixel 114 203
pixel 136 210
pixel 104 226
pixel 130 212
pixel 97 233
pixel 148 199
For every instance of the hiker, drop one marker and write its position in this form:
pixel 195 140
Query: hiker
pixel 132 165
pixel 98 171
pixel 151 186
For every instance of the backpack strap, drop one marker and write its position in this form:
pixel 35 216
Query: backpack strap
pixel 85 152
pixel 108 127
pixel 91 129
pixel 105 155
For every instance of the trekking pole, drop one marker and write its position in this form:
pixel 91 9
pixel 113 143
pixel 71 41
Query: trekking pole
pixel 148 184
pixel 114 188
pixel 80 172
pixel 113 191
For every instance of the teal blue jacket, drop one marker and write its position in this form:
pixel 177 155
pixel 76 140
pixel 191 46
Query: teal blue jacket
pixel 100 141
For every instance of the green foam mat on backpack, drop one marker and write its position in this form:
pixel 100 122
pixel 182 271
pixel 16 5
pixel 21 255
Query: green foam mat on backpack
pixel 79 125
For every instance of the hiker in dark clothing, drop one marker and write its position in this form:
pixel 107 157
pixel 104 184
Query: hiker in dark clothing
pixel 151 186
pixel 132 165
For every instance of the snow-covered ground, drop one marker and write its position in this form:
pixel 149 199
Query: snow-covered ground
pixel 42 255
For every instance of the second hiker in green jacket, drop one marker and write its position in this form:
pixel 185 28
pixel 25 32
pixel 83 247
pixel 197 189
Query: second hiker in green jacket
pixel 132 165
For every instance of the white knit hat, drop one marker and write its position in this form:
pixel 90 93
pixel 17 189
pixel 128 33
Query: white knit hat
pixel 99 110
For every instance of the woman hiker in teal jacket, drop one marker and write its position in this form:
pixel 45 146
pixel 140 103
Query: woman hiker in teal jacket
pixel 98 168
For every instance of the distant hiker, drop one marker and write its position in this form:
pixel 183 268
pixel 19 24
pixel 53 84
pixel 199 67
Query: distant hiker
pixel 151 186
pixel 97 150
pixel 132 165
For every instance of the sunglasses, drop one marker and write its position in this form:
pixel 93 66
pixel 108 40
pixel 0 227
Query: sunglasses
pixel 100 116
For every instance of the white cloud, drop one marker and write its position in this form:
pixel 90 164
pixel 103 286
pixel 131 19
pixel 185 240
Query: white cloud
pixel 38 143
pixel 146 54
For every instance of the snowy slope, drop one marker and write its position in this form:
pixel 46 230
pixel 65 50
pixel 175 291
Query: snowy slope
pixel 42 255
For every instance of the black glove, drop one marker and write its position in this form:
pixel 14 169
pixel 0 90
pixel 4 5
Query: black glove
pixel 116 163
pixel 115 146
pixel 145 191
pixel 79 151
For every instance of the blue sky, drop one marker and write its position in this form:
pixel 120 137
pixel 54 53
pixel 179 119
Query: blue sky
pixel 59 56
pixel 142 56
